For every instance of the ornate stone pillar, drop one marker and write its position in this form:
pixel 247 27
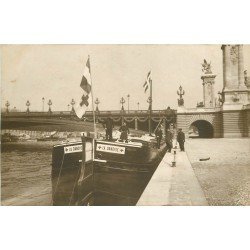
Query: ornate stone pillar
pixel 226 66
pixel 241 67
pixel 208 85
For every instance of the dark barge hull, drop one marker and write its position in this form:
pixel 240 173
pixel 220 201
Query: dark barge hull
pixel 67 165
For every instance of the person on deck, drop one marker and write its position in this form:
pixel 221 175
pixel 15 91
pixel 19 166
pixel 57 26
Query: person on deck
pixel 109 125
pixel 181 139
pixel 124 132
pixel 169 140
pixel 158 135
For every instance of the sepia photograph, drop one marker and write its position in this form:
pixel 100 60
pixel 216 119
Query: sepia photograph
pixel 125 125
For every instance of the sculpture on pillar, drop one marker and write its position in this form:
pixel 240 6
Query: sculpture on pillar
pixel 206 67
pixel 220 98
pixel 180 93
pixel 234 54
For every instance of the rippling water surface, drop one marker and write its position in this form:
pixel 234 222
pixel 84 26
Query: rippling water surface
pixel 25 173
pixel 26 178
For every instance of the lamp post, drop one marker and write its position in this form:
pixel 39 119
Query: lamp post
pixel 7 104
pixel 122 101
pixel 180 93
pixel 97 102
pixel 43 103
pixel 50 103
pixel 28 104
pixel 149 100
pixel 138 104
pixel 128 102
pixel 72 104
pixel 68 106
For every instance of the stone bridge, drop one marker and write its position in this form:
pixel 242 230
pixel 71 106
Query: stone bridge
pixel 38 120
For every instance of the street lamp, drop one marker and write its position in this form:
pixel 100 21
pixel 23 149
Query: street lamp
pixel 50 103
pixel 28 104
pixel 7 104
pixel 138 104
pixel 43 103
pixel 122 101
pixel 128 101
pixel 97 102
pixel 72 104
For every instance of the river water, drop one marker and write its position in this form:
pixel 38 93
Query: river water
pixel 26 178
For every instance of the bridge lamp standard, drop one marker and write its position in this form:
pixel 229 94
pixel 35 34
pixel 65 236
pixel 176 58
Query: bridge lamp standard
pixel 50 103
pixel 43 103
pixel 138 104
pixel 72 104
pixel 7 104
pixel 28 104
pixel 122 101
pixel 97 102
pixel 128 101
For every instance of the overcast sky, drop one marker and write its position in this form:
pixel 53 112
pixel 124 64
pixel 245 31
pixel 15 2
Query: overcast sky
pixel 30 72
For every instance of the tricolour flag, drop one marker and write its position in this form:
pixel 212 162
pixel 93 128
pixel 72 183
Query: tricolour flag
pixel 146 84
pixel 85 100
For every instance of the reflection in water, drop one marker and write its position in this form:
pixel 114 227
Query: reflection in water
pixel 26 178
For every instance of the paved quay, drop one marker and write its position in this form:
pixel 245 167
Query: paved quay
pixel 173 186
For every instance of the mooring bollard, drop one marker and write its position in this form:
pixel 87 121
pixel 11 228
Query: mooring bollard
pixel 174 162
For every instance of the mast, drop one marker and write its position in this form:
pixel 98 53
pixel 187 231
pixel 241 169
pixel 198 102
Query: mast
pixel 93 111
pixel 150 106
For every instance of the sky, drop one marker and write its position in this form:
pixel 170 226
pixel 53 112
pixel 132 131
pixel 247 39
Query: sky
pixel 31 72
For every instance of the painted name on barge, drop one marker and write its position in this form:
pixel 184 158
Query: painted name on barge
pixel 110 149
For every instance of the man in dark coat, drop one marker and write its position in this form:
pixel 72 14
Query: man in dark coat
pixel 169 140
pixel 109 125
pixel 181 139
pixel 124 132
pixel 158 135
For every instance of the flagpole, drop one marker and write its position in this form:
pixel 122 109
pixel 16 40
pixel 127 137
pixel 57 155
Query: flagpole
pixel 150 106
pixel 93 109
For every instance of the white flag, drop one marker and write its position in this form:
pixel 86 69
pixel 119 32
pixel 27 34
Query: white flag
pixel 85 98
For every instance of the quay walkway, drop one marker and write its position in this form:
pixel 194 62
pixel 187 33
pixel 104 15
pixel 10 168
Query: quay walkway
pixel 173 186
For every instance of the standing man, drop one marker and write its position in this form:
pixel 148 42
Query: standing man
pixel 169 140
pixel 109 125
pixel 124 132
pixel 158 134
pixel 181 139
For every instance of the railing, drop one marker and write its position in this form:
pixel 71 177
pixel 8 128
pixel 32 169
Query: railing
pixel 87 114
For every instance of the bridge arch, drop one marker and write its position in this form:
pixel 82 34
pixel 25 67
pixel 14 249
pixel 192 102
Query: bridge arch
pixel 203 128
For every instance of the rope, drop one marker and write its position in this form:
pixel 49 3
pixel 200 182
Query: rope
pixel 53 194
pixel 72 193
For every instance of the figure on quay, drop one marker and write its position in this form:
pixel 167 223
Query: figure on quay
pixel 169 140
pixel 181 139
pixel 158 135
pixel 109 125
pixel 124 132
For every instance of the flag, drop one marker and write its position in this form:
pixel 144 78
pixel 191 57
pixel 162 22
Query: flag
pixel 84 101
pixel 146 84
